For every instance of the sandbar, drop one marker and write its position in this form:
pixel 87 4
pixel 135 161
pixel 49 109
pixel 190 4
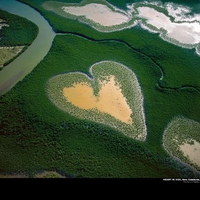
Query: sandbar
pixel 98 13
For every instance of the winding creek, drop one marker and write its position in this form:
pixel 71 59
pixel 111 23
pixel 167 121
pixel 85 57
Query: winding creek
pixel 24 64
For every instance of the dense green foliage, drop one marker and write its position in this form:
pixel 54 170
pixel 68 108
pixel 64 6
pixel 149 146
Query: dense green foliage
pixel 181 131
pixel 129 87
pixel 35 135
pixel 177 73
pixel 19 32
pixel 78 145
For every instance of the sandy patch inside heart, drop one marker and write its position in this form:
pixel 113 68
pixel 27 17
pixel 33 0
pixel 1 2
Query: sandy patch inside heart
pixel 111 96
pixel 110 99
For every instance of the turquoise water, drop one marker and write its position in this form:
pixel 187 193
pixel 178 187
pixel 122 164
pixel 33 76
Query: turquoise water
pixel 24 64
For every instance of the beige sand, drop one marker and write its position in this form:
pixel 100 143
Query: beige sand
pixel 48 174
pixel 2 25
pixel 7 53
pixel 98 13
pixel 185 32
pixel 110 99
pixel 45 174
pixel 179 140
pixel 13 176
pixel 192 151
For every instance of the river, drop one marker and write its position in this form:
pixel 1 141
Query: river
pixel 24 64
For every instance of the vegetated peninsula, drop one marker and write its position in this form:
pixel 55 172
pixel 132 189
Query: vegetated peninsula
pixel 173 23
pixel 59 120
pixel 16 34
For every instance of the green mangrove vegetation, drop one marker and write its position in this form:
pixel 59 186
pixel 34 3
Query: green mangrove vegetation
pixel 176 74
pixel 35 135
pixel 15 36
pixel 58 8
pixel 100 71
pixel 181 132
pixel 19 31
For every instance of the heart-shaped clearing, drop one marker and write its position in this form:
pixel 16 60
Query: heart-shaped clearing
pixel 112 97
pixel 110 100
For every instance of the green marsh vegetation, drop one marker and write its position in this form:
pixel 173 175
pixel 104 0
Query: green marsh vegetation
pixel 177 73
pixel 130 90
pixel 35 135
pixel 8 53
pixel 179 132
pixel 18 32
pixel 57 7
